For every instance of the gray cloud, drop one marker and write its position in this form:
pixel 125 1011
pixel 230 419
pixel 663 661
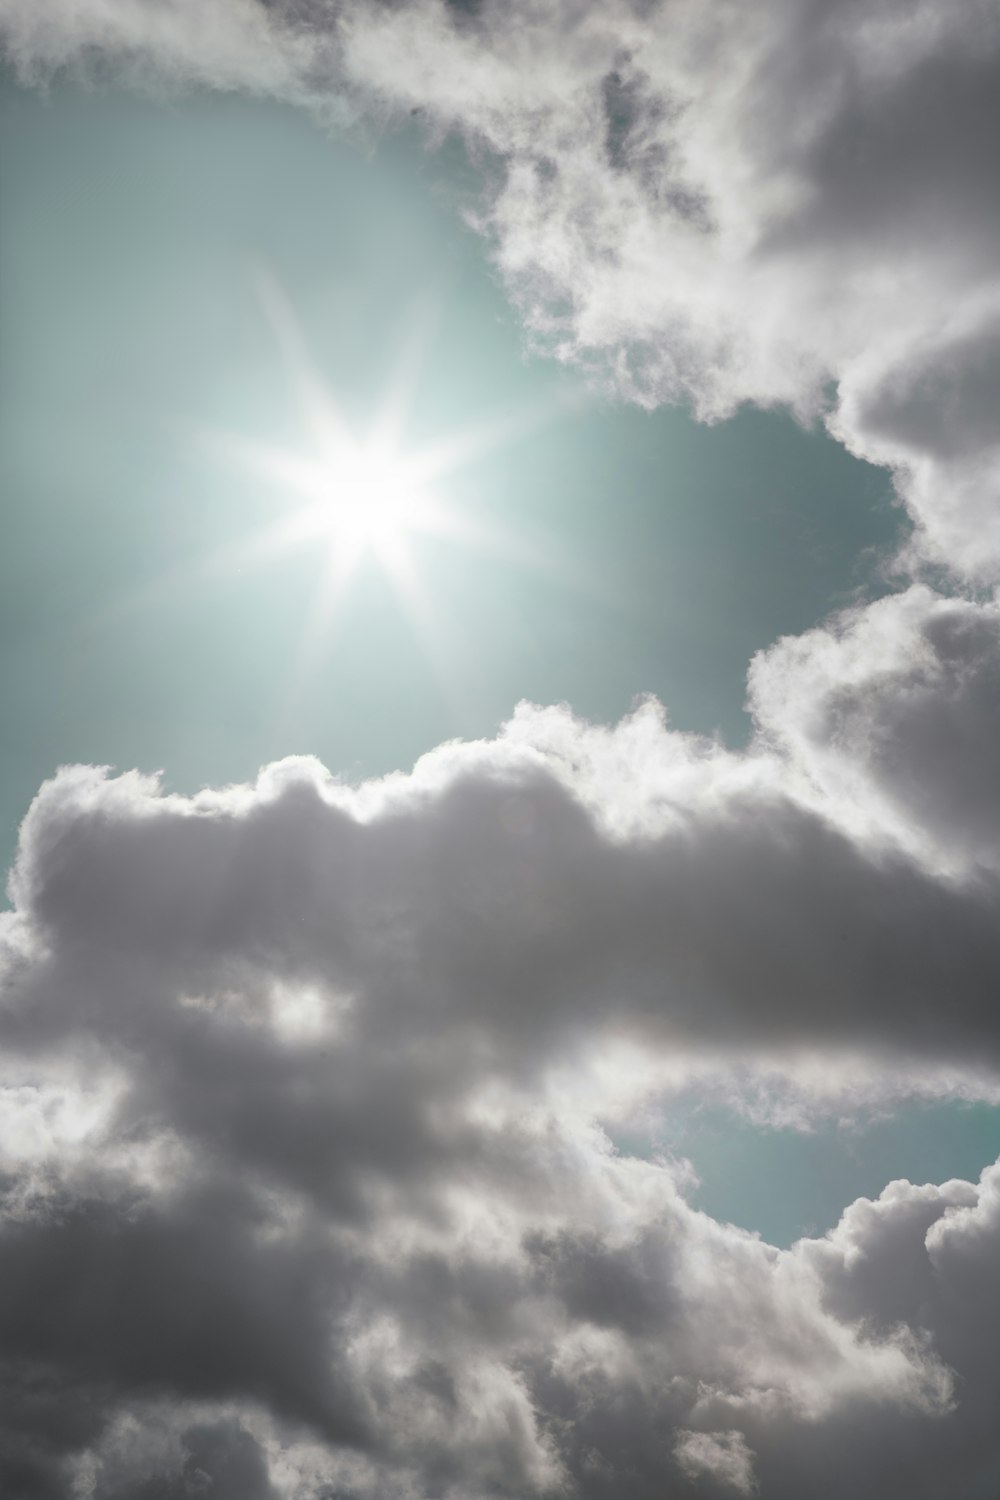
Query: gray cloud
pixel 896 707
pixel 304 1128
pixel 484 903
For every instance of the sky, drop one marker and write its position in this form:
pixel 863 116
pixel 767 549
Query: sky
pixel 501 663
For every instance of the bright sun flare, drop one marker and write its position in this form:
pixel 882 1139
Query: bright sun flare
pixel 369 505
pixel 356 496
pixel 358 500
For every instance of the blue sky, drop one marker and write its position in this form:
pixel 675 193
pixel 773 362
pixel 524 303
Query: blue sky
pixel 668 552
pixel 437 948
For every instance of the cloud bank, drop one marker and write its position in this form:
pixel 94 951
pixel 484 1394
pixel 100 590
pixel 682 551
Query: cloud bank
pixel 306 1171
pixel 307 1186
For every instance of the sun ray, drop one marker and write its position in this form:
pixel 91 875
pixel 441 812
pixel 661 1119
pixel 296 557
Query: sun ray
pixel 363 499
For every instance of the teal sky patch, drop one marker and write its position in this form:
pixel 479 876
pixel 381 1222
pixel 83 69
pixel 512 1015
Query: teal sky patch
pixel 645 553
pixel 785 1183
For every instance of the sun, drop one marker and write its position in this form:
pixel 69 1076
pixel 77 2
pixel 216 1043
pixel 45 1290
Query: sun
pixel 368 505
pixel 354 499
pixel 357 496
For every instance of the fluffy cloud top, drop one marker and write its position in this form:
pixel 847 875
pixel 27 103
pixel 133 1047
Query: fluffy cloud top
pixel 305 1185
pixel 305 1175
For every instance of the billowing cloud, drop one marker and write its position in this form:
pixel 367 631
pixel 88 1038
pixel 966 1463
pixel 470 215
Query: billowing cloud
pixel 521 897
pixel 306 1185
pixel 896 708
pixel 305 1173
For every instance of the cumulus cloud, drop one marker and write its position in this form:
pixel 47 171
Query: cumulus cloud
pixel 895 708
pixel 310 1185
pixel 519 898
pixel 305 1185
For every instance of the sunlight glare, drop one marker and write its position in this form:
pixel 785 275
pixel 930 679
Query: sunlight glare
pixel 366 504
pixel 360 498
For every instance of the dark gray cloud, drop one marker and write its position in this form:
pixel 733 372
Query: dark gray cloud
pixel 319 1158
pixel 120 1294
pixel 491 908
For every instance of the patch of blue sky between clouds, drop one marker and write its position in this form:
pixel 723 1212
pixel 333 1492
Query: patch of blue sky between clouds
pixel 784 1182
pixel 132 236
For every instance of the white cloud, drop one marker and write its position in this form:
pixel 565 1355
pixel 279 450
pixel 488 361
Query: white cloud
pixel 756 203
pixel 723 1454
pixel 240 44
